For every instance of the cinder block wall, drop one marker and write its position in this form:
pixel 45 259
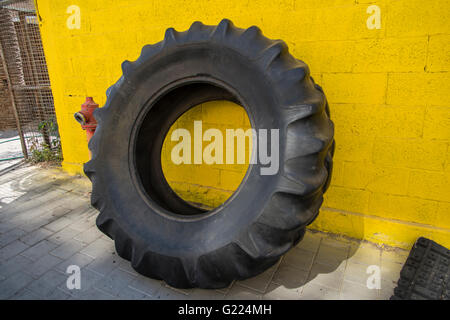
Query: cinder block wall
pixel 388 86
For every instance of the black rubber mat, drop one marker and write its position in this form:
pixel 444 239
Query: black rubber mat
pixel 426 273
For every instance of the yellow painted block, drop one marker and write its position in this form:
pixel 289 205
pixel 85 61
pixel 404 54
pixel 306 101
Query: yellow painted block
pixel 316 54
pixel 447 163
pixel 346 199
pixel 210 197
pixel 352 147
pixel 76 86
pixel 72 168
pixel 224 113
pixel 317 77
pixel 340 222
pixel 439 53
pixel 430 185
pixel 378 120
pixel 355 87
pixel 389 55
pixel 230 180
pixel 443 215
pixel 409 153
pixel 342 22
pixel 303 4
pixel 209 177
pixel 364 176
pixel 407 18
pixel 418 89
pixel 381 231
pixel 437 123
pixel 360 18
pixel 337 177
pixel 404 208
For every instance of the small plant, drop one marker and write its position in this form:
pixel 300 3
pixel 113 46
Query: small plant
pixel 49 151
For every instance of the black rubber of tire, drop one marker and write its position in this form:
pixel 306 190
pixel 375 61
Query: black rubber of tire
pixel 167 238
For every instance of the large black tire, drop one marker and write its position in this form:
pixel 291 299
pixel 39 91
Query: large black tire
pixel 163 236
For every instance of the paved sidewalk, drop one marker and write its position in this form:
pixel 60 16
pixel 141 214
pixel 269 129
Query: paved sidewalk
pixel 47 224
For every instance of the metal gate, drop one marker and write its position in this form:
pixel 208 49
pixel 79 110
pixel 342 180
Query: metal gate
pixel 26 100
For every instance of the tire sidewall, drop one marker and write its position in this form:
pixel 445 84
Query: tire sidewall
pixel 138 215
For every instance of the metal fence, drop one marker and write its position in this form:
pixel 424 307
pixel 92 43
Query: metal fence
pixel 26 100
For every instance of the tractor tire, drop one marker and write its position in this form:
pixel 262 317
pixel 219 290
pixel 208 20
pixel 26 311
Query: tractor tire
pixel 167 238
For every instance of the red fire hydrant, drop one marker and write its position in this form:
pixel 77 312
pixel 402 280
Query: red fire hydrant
pixel 86 117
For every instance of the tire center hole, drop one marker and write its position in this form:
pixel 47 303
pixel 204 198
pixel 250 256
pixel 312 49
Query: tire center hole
pixel 197 151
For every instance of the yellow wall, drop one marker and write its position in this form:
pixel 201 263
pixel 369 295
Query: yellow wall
pixel 389 91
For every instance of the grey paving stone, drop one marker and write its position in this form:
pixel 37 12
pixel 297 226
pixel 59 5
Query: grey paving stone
pixel 104 264
pixel 87 280
pixel 43 217
pixel 51 194
pixel 290 277
pixel 390 271
pixel 115 282
pixel 330 254
pixel 276 291
pixel 89 235
pixel 180 290
pixel 12 249
pixel 67 249
pixel 168 293
pixel 38 250
pixel 129 293
pixel 78 259
pixel 13 284
pixel 46 285
pixel 10 236
pixel 42 265
pixel 356 272
pixel 241 293
pixel 327 275
pixel 98 248
pixel 204 294
pixel 93 294
pixel 35 210
pixel 82 224
pixel 261 281
pixel 394 255
pixel 37 223
pixel 313 291
pixel 310 242
pixel 25 294
pixel 63 235
pixel 16 211
pixel 227 289
pixel 386 291
pixel 298 258
pixel 355 291
pixel 13 265
pixel 35 236
pixel 58 224
pixel 74 201
pixel 59 211
pixel 83 211
pixel 146 285
pixel 58 294
pixel 125 265
pixel 6 226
